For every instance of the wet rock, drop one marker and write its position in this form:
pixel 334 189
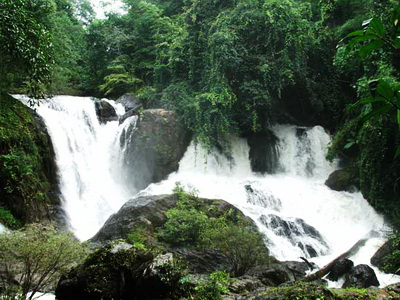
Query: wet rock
pixel 26 145
pixel 154 148
pixel 341 268
pixel 340 180
pixel 262 198
pixel 130 113
pixel 279 272
pixel 129 101
pixel 361 276
pixel 381 258
pixel 263 152
pixel 105 111
pixel 295 231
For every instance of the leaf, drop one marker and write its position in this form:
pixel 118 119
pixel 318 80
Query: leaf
pixel 385 90
pixel 368 100
pixel 348 145
pixel 358 40
pixel 397 155
pixel 368 48
pixel 396 42
pixel 376 112
pixel 398 117
pixel 354 33
pixel 377 26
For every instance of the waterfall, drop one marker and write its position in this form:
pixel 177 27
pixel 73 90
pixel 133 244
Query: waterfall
pixel 88 156
pixel 299 215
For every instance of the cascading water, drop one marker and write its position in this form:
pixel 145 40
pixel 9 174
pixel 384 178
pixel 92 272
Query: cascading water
pixel 299 215
pixel 87 155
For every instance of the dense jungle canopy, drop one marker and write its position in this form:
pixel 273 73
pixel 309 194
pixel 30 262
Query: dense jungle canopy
pixel 228 66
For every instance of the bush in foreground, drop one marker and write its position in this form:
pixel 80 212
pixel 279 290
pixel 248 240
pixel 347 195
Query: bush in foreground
pixel 34 258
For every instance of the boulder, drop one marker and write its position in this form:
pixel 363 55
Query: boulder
pixel 245 284
pixel 341 268
pixel 129 101
pixel 203 261
pixel 105 111
pixel 28 173
pixel 340 180
pixel 148 213
pixel 381 258
pixel 279 272
pixel 361 276
pixel 130 113
pixel 263 152
pixel 294 231
pixel 116 271
pixel 154 147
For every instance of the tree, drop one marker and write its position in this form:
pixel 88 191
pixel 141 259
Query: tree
pixel 25 44
pixel 36 256
pixel 373 37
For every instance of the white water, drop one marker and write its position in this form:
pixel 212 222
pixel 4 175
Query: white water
pixel 89 158
pixel 297 191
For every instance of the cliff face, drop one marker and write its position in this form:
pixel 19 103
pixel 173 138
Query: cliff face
pixel 28 180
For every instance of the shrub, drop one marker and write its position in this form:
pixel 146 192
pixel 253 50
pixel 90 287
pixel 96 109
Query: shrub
pixel 213 288
pixel 193 224
pixel 8 220
pixel 36 256
pixel 243 248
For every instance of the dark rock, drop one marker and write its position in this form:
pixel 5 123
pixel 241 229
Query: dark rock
pixel 279 272
pixel 341 268
pixel 294 231
pixel 340 180
pixel 130 113
pixel 204 261
pixel 263 152
pixel 361 276
pixel 261 198
pixel 381 258
pixel 154 147
pixel 129 101
pixel 148 212
pixel 245 284
pixel 116 271
pixel 395 288
pixel 105 111
pixel 24 139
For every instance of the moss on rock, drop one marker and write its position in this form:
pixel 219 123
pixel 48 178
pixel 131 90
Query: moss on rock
pixel 27 171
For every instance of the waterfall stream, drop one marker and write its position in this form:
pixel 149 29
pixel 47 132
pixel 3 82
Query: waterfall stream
pixel 298 214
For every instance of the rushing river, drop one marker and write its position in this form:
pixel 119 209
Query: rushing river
pixel 298 214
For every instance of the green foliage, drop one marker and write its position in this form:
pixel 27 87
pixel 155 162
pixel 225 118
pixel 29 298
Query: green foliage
pixel 371 134
pixel 25 44
pixel 140 238
pixel 37 256
pixel 8 220
pixel 193 224
pixel 26 170
pixel 214 287
pixel 392 261
pixel 243 248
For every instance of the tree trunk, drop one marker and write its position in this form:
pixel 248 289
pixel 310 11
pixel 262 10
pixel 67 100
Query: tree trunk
pixel 325 270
